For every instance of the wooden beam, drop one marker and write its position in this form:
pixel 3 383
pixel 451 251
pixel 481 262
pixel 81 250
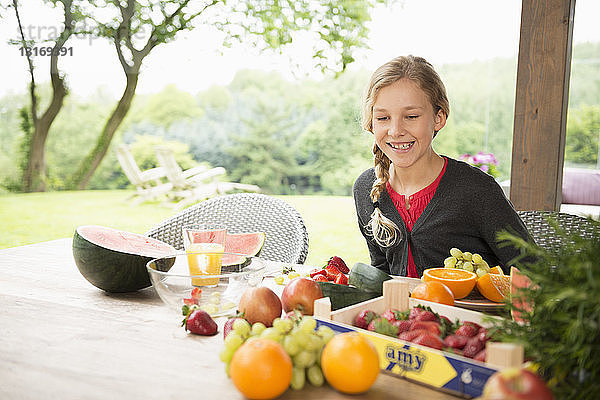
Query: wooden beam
pixel 542 94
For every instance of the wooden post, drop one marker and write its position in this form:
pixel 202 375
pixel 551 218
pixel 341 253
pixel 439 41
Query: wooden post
pixel 542 94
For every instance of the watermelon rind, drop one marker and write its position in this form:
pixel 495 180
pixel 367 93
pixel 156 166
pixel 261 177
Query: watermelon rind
pixel 367 278
pixel 109 269
pixel 342 296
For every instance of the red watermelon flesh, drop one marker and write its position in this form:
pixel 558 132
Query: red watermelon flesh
pixel 125 242
pixel 518 281
pixel 242 243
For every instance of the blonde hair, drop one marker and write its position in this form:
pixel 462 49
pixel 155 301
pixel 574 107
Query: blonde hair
pixel 417 69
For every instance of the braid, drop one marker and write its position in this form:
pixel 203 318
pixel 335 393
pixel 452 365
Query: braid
pixel 384 230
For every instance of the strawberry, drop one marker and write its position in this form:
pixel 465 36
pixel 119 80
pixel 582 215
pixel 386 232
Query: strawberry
pixel 318 271
pixel 431 326
pixel 331 272
pixel 474 324
pixel 403 325
pixel 426 316
pixel 320 278
pixel 483 335
pixel 414 312
pixel 473 346
pixel 339 264
pixel 409 336
pixel 200 323
pixel 466 330
pixel 480 356
pixel 364 318
pixel 341 279
pixel 455 341
pixel 429 340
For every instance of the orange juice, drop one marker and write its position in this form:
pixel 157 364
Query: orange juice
pixel 205 259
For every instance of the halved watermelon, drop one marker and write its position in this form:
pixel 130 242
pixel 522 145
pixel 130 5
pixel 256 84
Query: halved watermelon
pixel 115 260
pixel 518 281
pixel 242 243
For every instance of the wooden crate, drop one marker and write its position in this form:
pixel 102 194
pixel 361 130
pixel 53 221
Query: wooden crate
pixel 439 369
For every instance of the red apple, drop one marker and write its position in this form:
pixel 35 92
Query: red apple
pixel 260 304
pixel 300 294
pixel 516 384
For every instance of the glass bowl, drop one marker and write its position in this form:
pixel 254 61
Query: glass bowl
pixel 218 294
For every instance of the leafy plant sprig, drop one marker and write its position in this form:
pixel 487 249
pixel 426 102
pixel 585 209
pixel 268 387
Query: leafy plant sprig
pixel 561 333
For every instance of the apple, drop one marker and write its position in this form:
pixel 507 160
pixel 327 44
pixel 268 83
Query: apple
pixel 516 384
pixel 260 304
pixel 300 294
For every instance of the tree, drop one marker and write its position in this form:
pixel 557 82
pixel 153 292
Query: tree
pixel 338 29
pixel 36 126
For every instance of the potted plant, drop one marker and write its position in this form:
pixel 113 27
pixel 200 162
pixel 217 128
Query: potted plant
pixel 560 330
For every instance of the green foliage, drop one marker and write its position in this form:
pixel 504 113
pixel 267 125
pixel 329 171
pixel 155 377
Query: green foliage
pixel 169 106
pixel 583 132
pixel 562 332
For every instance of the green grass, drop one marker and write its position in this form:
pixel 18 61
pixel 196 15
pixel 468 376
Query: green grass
pixel 36 217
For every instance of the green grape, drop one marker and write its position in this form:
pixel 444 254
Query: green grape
pixel 477 259
pixel 326 333
pixel 227 369
pixel 304 359
pixel 282 325
pixel 226 354
pixel 485 265
pixel 257 328
pixel 456 253
pixel 233 340
pixel 271 333
pixel 298 378
pixel 241 327
pixel 481 272
pixel 467 256
pixel 307 324
pixel 459 264
pixel 450 262
pixel 314 343
pixel 468 265
pixel 315 375
pixel 301 337
pixel 290 345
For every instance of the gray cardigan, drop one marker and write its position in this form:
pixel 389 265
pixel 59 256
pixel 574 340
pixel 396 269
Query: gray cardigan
pixel 466 211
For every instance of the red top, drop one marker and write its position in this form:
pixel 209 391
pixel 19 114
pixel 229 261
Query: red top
pixel 417 203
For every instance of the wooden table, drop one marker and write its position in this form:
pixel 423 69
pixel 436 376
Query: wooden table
pixel 62 338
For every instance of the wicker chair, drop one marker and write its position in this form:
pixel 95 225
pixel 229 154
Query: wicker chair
pixel 286 238
pixel 545 235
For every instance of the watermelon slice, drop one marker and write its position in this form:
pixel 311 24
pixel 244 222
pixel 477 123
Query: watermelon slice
pixel 518 281
pixel 114 260
pixel 242 243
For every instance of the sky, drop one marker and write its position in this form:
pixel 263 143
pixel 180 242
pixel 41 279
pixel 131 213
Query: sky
pixel 442 31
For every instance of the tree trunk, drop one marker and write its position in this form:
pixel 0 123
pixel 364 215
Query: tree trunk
pixel 81 178
pixel 34 176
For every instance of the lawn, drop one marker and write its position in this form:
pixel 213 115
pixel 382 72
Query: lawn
pixel 35 217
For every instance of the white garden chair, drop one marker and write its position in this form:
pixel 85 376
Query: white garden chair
pixel 148 183
pixel 197 183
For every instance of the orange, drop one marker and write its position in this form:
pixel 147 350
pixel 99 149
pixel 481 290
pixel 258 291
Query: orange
pixel 459 281
pixel 494 286
pixel 433 291
pixel 261 369
pixel 350 363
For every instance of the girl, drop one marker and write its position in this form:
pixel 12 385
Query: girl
pixel 414 205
